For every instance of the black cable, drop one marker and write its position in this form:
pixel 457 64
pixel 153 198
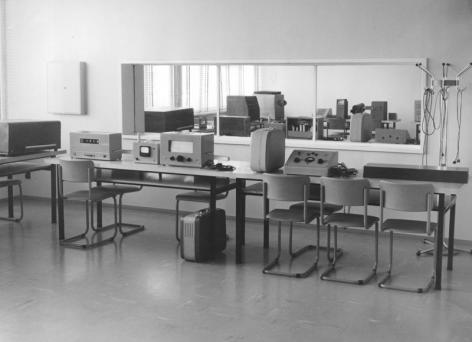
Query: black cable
pixel 459 124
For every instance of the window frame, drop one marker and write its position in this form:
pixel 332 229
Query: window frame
pixel 294 143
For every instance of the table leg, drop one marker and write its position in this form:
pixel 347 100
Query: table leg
pixel 240 205
pixel 52 169
pixel 60 203
pixel 10 199
pixel 439 244
pixel 450 247
pixel 266 225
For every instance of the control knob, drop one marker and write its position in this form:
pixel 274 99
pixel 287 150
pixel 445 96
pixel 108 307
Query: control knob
pixel 180 158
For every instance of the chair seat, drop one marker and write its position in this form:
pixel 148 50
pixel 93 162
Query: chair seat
pixel 350 220
pixel 411 226
pixel 96 194
pixel 198 196
pixel 292 215
pixel 120 189
pixel 9 182
pixel 328 208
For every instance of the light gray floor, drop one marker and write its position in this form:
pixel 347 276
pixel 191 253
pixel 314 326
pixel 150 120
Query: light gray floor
pixel 139 289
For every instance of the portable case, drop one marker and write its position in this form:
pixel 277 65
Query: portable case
pixel 267 149
pixel 200 240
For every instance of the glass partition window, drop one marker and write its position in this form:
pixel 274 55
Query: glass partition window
pixel 385 94
pixel 378 102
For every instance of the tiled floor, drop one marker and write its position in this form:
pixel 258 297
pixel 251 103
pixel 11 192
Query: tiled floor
pixel 139 289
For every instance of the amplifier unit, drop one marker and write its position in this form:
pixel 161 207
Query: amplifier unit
pixel 310 162
pixel 146 152
pixel 342 108
pixel 379 112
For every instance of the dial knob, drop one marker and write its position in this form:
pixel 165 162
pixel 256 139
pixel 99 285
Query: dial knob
pixel 180 158
pixel 296 160
pixel 172 158
pixel 320 161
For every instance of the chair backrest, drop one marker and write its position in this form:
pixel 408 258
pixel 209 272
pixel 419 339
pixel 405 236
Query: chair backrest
pixel 344 191
pixel 411 197
pixel 281 187
pixel 77 171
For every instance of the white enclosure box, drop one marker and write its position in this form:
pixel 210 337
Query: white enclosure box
pixel 66 88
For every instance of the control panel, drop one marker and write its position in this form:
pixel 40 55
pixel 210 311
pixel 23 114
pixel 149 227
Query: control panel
pixel 310 162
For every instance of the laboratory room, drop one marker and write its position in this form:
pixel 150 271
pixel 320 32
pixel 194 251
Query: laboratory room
pixel 265 170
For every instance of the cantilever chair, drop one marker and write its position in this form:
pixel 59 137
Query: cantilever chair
pixel 82 171
pixel 115 177
pixel 11 183
pixel 280 187
pixel 406 197
pixel 347 192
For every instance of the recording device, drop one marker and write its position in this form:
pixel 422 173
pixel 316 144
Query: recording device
pixel 146 152
pixel 267 149
pixel 187 149
pixel 19 137
pixel 95 145
pixel 310 162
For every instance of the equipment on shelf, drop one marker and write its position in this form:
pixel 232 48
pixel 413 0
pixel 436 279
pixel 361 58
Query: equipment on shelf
pixel 95 145
pixel 342 108
pixel 361 127
pixel 379 112
pixel 202 235
pixel 391 136
pixel 243 106
pixel 19 137
pixel 146 152
pixel 271 104
pixel 310 162
pixel 168 119
pixel 267 149
pixel 187 149
pixel 235 125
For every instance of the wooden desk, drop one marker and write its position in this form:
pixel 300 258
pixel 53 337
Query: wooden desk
pixel 25 164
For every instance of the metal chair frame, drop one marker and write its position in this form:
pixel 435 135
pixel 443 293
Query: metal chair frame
pixel 386 282
pixel 77 176
pixel 11 183
pixel 268 269
pixel 365 202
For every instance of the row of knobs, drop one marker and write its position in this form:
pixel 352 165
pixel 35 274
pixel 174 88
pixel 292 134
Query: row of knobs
pixel 180 158
pixel 308 160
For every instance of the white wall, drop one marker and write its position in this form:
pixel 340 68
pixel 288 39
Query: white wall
pixel 104 33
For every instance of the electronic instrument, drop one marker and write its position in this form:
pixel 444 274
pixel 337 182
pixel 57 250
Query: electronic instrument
pixel 378 112
pixel 342 108
pixel 267 149
pixel 146 152
pixel 243 106
pixel 361 127
pixel 168 119
pixel 95 145
pixel 310 162
pixel 19 137
pixel 391 136
pixel 187 149
pixel 271 104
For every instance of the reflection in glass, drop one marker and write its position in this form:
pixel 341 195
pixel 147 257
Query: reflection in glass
pixel 380 100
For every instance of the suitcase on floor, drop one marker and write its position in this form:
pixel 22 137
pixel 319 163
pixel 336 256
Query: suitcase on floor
pixel 199 240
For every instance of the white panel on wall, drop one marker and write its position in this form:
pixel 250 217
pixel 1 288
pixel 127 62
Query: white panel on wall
pixel 66 88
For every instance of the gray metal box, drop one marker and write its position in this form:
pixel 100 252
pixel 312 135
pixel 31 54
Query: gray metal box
pixel 95 145
pixel 22 137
